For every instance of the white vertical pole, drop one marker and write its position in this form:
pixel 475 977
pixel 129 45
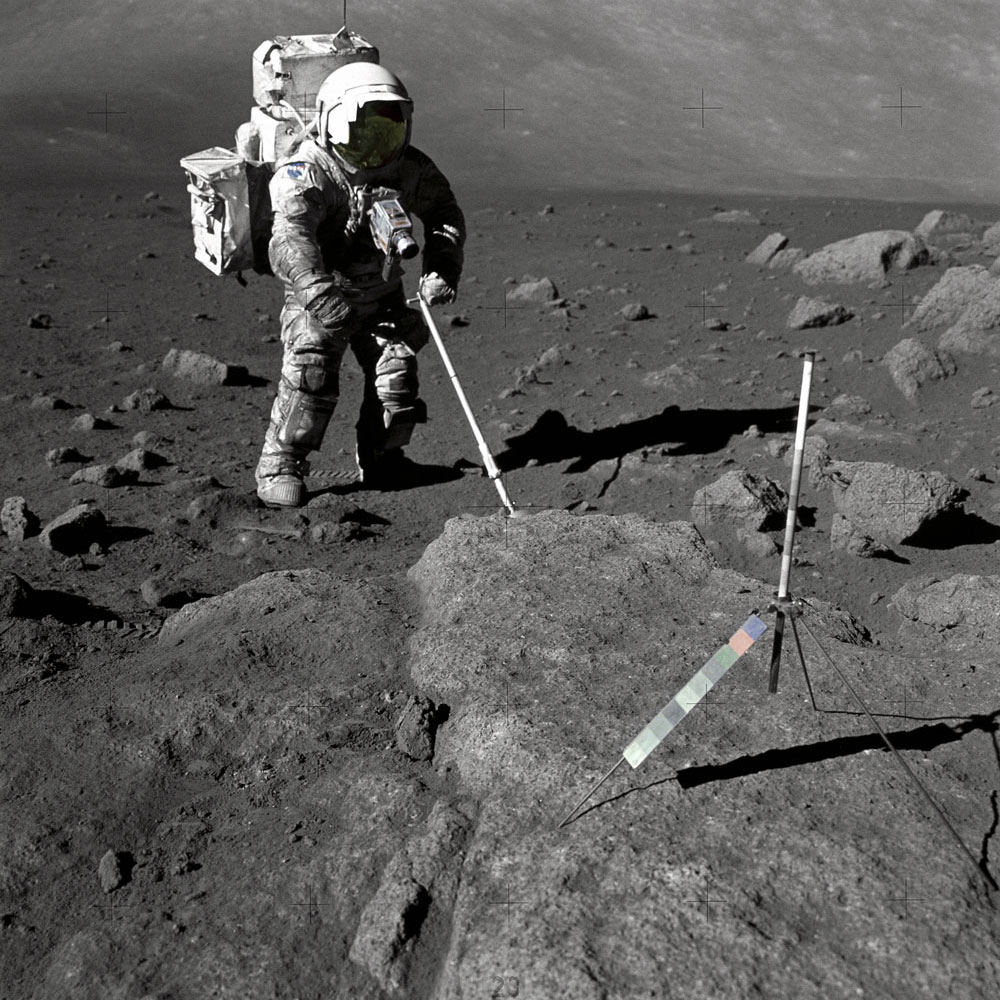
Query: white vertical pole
pixel 793 506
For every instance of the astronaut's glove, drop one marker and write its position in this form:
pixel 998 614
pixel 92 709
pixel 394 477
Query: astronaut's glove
pixel 332 311
pixel 435 290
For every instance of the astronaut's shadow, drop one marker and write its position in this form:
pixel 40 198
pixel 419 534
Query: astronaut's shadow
pixel 691 432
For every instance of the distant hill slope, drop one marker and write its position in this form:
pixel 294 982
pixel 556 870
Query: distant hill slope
pixel 794 90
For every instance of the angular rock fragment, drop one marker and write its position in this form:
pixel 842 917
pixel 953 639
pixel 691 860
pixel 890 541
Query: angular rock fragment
pixel 767 248
pixel 816 312
pixel 786 259
pixel 16 597
pixel 415 728
pixel 140 460
pixel 912 365
pixel 17 522
pixel 845 536
pixel 62 456
pixel 739 498
pixel 541 290
pixel 45 401
pixel 146 400
pixel 107 476
pixel 203 369
pixel 112 871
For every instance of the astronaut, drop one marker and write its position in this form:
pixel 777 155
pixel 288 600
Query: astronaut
pixel 337 292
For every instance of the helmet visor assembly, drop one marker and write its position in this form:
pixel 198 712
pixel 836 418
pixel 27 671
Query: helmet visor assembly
pixel 376 135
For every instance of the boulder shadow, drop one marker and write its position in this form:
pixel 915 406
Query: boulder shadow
pixel 954 530
pixel 692 432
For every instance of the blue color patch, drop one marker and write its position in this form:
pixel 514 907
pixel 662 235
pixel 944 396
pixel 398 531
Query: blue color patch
pixel 295 170
pixel 754 627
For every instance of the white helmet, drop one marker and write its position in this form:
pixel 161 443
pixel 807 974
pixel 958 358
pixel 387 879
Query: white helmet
pixel 364 116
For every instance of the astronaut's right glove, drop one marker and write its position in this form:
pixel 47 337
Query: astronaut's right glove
pixel 435 290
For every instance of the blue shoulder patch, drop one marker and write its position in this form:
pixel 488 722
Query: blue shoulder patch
pixel 295 170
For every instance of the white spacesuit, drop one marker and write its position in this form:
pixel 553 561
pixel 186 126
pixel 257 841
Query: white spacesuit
pixel 337 292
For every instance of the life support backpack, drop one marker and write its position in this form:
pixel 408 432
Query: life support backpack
pixel 230 201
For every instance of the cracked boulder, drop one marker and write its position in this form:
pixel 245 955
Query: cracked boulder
pixel 946 301
pixel 891 505
pixel 964 605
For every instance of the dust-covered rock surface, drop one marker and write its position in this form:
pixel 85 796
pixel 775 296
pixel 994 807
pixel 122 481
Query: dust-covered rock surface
pixel 323 753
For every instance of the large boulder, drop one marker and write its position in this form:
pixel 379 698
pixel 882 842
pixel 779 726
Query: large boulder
pixel 890 504
pixel 977 329
pixel 867 257
pixel 75 530
pixel 945 302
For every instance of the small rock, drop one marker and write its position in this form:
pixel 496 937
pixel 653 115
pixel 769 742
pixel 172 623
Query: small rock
pixel 147 439
pixel 117 347
pixel 847 537
pixel 416 728
pixel 816 312
pixel 786 259
pixel 59 456
pixel 330 532
pixel 546 210
pixel 40 321
pixel 146 400
pixel 108 476
pixel 17 522
pixel 75 530
pixel 16 597
pixel 767 248
pixel 162 590
pixel 982 398
pixel 912 365
pixel 542 290
pixel 139 460
pixel 202 369
pixel 193 485
pixel 737 215
pixel 84 422
pixel 977 475
pixel 111 872
pixel 633 311
pixel 44 401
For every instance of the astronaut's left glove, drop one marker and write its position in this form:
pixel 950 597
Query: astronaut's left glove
pixel 435 290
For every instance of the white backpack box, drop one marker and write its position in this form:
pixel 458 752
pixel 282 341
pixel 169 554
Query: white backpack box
pixel 230 202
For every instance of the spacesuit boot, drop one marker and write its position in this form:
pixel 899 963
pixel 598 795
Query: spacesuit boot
pixel 299 417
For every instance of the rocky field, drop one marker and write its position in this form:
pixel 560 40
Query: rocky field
pixel 324 753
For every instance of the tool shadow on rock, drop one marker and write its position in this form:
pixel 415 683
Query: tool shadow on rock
pixel 693 432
